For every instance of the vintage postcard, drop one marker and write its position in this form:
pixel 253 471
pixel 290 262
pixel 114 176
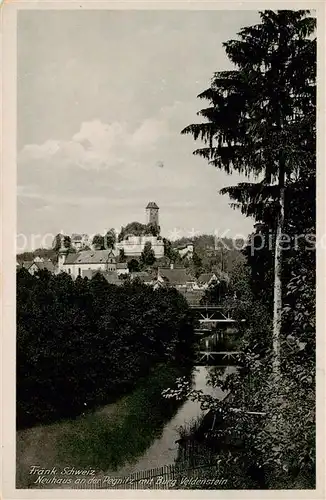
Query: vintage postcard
pixel 162 312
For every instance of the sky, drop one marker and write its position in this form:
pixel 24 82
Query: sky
pixel 102 98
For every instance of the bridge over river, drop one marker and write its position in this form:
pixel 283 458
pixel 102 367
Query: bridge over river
pixel 216 326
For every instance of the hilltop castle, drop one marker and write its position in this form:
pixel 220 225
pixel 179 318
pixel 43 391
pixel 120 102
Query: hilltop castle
pixel 133 245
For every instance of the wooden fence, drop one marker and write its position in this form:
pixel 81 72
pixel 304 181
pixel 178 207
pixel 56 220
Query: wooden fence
pixel 177 476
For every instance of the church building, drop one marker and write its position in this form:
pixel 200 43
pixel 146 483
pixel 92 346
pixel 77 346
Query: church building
pixel 75 264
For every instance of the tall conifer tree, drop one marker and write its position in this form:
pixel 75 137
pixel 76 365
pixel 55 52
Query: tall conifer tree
pixel 261 123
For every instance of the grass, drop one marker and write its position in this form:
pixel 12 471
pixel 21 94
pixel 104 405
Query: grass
pixel 109 438
pixel 105 439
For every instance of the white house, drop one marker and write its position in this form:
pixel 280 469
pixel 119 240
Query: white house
pixel 39 265
pixel 186 250
pixel 88 260
pixel 134 245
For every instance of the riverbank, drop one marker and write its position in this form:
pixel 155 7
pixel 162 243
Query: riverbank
pixel 139 432
pixel 103 439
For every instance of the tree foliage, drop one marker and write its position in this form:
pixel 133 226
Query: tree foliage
pixel 133 265
pixel 216 253
pixel 122 255
pixel 147 257
pixel 84 343
pixel 98 242
pixel 169 251
pixel 61 240
pixel 138 229
pixel 276 64
pixel 110 239
pixel 215 293
pixel 152 229
pixel 197 264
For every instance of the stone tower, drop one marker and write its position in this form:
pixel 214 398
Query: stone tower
pixel 152 213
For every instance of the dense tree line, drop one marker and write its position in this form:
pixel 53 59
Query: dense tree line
pixel 85 343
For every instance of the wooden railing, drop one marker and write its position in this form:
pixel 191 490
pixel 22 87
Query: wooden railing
pixel 176 476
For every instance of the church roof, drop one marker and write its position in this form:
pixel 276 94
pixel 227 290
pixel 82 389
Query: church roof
pixel 152 204
pixel 88 257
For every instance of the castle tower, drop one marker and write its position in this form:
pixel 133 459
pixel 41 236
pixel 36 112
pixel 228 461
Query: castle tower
pixel 152 213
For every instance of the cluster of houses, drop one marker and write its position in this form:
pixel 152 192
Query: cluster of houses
pixel 90 262
pixel 86 261
pixel 38 264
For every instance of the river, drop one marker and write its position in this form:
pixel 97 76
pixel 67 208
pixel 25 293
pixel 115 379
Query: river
pixel 46 445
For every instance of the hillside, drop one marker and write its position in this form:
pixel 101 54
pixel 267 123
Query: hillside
pixel 223 254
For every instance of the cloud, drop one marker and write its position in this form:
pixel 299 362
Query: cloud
pixel 89 148
pixel 102 165
pixel 148 134
pixel 105 174
pixel 107 160
pixel 97 145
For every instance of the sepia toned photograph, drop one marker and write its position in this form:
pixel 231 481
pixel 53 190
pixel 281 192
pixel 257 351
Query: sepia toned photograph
pixel 166 249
